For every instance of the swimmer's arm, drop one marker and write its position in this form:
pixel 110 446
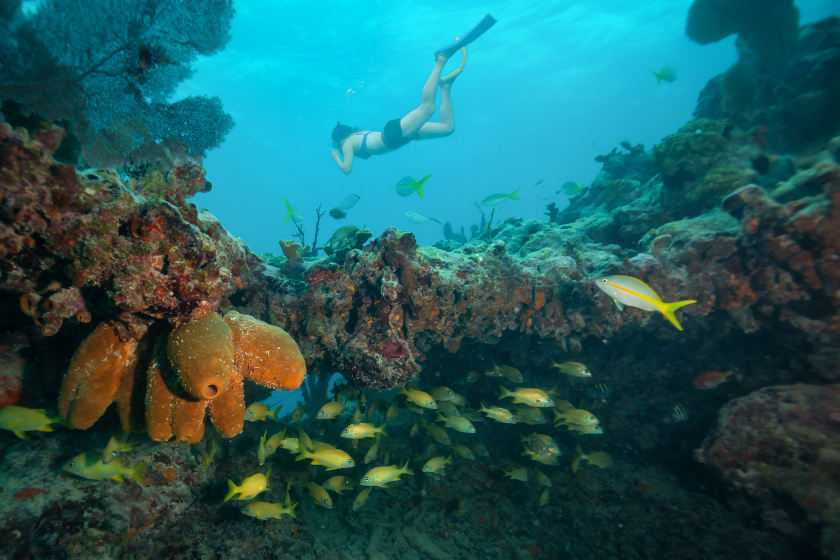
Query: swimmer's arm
pixel 347 152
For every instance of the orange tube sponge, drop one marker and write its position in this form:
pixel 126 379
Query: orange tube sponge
pixel 266 354
pixel 93 379
pixel 132 391
pixel 201 352
pixel 228 411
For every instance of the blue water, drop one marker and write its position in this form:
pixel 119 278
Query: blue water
pixel 551 86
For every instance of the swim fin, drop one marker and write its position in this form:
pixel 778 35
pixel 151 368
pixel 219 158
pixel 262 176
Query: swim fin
pixel 486 23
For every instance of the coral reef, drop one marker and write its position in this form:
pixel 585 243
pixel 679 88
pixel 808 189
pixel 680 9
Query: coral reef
pixel 782 443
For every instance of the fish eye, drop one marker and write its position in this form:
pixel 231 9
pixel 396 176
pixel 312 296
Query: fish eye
pixel 604 281
pixel 349 460
pixel 367 479
pixel 114 453
pixel 250 413
pixel 326 501
pixel 244 509
pixel 70 464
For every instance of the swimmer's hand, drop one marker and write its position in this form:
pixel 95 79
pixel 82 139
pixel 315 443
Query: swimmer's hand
pixel 335 156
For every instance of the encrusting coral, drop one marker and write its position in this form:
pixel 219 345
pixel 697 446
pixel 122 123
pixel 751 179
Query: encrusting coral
pixel 199 364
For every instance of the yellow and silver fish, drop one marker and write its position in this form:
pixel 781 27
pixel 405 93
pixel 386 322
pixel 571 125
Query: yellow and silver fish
pixel 392 412
pixel 457 423
pixel 442 394
pixel 594 429
pixel 382 476
pixel 373 451
pixel 331 458
pixel 549 443
pixel 250 487
pixel 330 411
pixel 259 411
pixel 265 510
pixel 117 444
pixel 530 415
pixel 418 397
pixel 447 408
pixel 319 495
pixel 579 417
pixel 94 469
pixel 680 413
pixel 298 413
pixel 508 372
pixel 414 408
pixel 544 459
pixel 261 449
pixel 357 415
pixel 19 419
pixel 597 458
pixel 209 453
pixel 339 484
pixel 575 369
pixel 371 409
pixel 361 498
pixel 471 415
pixel 415 429
pixel 544 498
pixel 437 464
pixel 479 450
pixel 290 444
pixel 498 414
pixel 541 478
pixel 363 430
pixel 530 397
pixel 552 391
pixel 438 434
pixel 562 406
pixel 464 452
pixel 304 442
pixel 520 474
pixel 626 290
pixel 275 442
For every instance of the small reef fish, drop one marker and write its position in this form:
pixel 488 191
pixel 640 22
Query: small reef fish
pixel 458 400
pixel 530 397
pixel 471 415
pixel 19 419
pixel 562 406
pixel 294 214
pixel 290 444
pixel 520 474
pixel 498 414
pixel 626 290
pixel 392 412
pixel 544 498
pixel 597 458
pixel 265 510
pixel 541 478
pixel 574 369
pixel 371 409
pixel 414 408
pixel 274 443
pixel 544 459
pixel 115 445
pixel 349 202
pixel 508 372
pixel 418 218
pixel 330 458
pixel 261 449
pixel 438 434
pixel 209 453
pixel 571 189
pixel 415 429
pixel 418 397
pixel 357 415
pixel 550 444
pixel 340 235
pixel 95 469
pixel 469 379
pixel 598 390
pixel 447 408
pixel 330 411
pixel 480 450
pixel 437 464
pixel 464 452
pixel 407 186
pixel 712 379
pixel 382 476
pixel 579 417
pixel 259 411
pixel 319 495
pixel 496 199
pixel 360 431
pixel 667 73
pixel 361 498
pixel 250 488
pixel 304 442
pixel 337 213
pixel 442 394
pixel 552 391
pixel 387 457
pixel 339 484
pixel 373 451
pixel 529 415
pixel 298 413
pixel 680 413
pixel 585 430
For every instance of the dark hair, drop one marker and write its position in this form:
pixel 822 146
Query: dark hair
pixel 340 132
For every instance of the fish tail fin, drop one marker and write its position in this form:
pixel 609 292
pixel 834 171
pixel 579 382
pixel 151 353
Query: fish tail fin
pixel 449 459
pixel 20 434
pixel 304 454
pixel 658 76
pixel 513 195
pixel 420 185
pixel 288 210
pixel 291 511
pixel 382 429
pixel 504 392
pixel 232 489
pixel 483 407
pixel 137 472
pixel 275 414
pixel 667 309
pixel 45 428
pixel 406 470
pixel 553 363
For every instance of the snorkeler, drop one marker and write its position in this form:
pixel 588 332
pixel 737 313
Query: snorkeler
pixel 399 132
pixel 415 125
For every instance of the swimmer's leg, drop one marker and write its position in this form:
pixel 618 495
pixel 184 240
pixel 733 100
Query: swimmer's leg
pixel 412 122
pixel 446 126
